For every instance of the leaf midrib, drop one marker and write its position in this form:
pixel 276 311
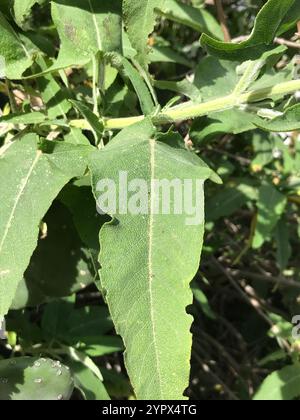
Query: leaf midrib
pixel 152 143
pixel 18 197
pixel 96 26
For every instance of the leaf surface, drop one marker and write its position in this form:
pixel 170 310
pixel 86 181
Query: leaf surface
pixel 33 180
pixel 16 55
pixel 139 17
pixel 146 292
pixel 267 25
pixel 85 28
pixel 282 385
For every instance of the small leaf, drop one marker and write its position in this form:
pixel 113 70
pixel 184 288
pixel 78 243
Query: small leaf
pixel 54 97
pixel 288 121
pixel 195 17
pixel 16 55
pixel 282 385
pixel 95 123
pixel 85 380
pixel 161 54
pixel 139 17
pixel 22 9
pixel 267 22
pixel 33 379
pixel 25 118
pixel 271 204
pixel 284 249
pixel 263 146
pixel 227 201
pixel 128 71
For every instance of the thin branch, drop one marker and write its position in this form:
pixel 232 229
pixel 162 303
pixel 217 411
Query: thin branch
pixel 223 20
pixel 294 199
pixel 237 287
pixel 268 278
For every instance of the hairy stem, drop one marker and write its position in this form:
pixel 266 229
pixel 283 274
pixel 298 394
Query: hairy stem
pixel 190 110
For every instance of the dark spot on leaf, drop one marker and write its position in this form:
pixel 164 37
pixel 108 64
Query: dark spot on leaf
pixel 70 31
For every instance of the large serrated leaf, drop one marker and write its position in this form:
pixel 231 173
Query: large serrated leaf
pixel 33 178
pixel 148 262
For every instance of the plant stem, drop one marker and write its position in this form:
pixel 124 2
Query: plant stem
pixel 96 93
pixel 190 110
pixel 223 20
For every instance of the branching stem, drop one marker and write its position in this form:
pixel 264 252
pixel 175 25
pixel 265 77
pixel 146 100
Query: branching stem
pixel 191 110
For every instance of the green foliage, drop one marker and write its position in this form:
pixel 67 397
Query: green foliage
pixel 145 293
pixel 25 166
pixel 93 89
pixel 282 385
pixel 271 17
pixel 139 19
pixel 29 378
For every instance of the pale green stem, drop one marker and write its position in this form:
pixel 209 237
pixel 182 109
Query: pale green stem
pixel 147 80
pixel 96 93
pixel 189 110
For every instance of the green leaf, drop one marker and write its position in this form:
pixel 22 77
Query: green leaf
pixel 227 201
pixel 271 205
pixel 76 136
pixel 95 123
pixel 33 178
pixel 33 379
pixel 195 17
pixel 61 321
pixel 128 71
pixel 16 55
pixel 73 269
pixel 291 19
pixel 98 345
pixel 202 300
pixel 266 27
pixel 214 77
pixel 90 386
pixel 139 17
pixel 54 96
pixel 284 249
pixel 288 121
pixel 263 146
pixel 161 54
pixel 282 385
pixel 184 87
pixel 80 201
pixel 25 118
pixel 6 6
pixel 86 27
pixel 22 9
pixel 147 294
